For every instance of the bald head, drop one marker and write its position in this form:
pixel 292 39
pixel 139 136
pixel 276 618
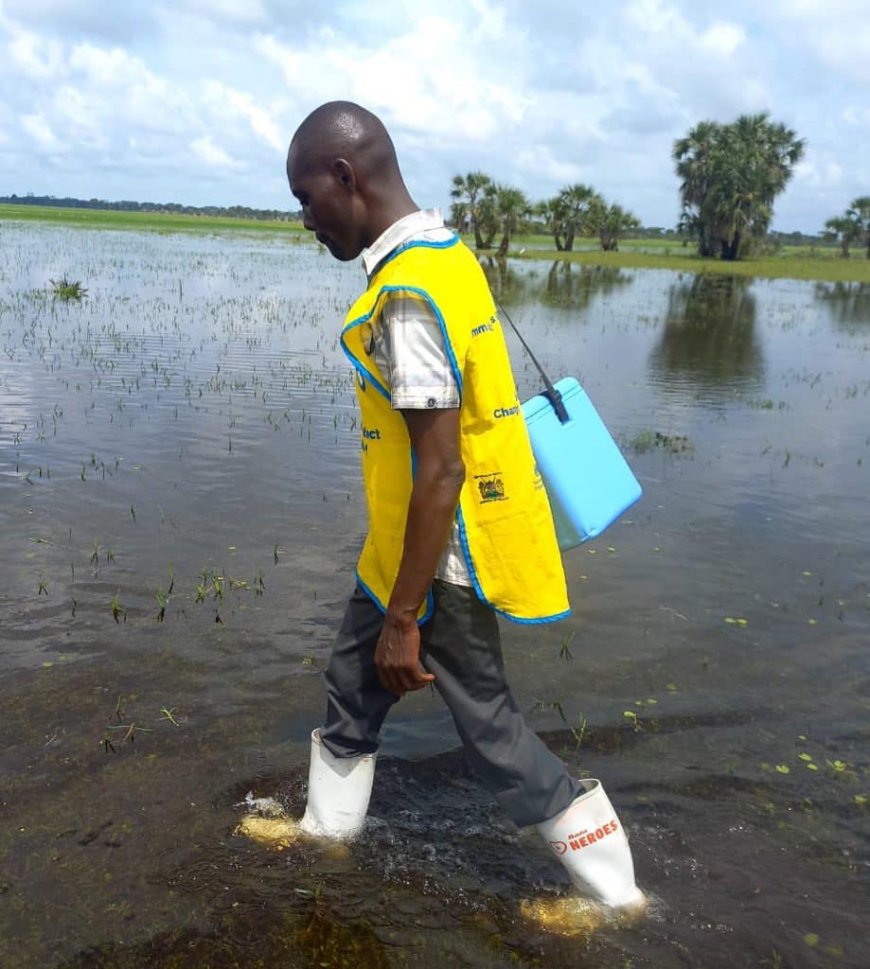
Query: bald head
pixel 346 130
pixel 342 167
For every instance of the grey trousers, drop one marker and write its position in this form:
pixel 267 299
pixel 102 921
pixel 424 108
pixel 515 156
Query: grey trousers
pixel 460 644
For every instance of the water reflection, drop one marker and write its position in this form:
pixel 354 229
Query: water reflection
pixel 848 303
pixel 566 285
pixel 709 336
pixel 508 286
pixel 575 286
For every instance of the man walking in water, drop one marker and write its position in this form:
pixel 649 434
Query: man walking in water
pixel 460 527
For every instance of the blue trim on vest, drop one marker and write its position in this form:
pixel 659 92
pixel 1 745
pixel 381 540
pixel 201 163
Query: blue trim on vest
pixel 463 538
pixel 446 244
pixel 357 363
pixel 430 600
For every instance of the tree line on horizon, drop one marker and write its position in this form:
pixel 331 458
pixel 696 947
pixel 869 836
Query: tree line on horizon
pixel 172 208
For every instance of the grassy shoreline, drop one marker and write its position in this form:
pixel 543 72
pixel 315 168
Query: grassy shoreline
pixel 793 263
pixel 144 221
pixel 786 266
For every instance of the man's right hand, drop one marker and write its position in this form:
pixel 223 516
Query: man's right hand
pixel 397 656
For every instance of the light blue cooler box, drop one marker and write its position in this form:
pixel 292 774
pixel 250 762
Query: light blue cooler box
pixel 588 481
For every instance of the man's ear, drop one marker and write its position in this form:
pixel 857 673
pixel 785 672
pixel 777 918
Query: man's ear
pixel 343 171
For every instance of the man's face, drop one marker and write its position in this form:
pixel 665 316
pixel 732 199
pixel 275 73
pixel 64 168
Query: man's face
pixel 329 206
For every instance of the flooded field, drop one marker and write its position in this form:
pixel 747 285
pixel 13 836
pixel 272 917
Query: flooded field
pixel 179 519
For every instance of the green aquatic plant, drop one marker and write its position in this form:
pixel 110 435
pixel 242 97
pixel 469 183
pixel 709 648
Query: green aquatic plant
pixel 67 289
pixel 579 732
pixel 168 713
pixel 161 602
pixel 164 597
pixel 650 440
pixel 129 729
pixel 118 611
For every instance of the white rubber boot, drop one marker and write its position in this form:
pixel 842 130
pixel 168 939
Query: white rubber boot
pixel 588 839
pixel 339 789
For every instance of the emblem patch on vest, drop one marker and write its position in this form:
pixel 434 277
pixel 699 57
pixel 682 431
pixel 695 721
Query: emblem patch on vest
pixel 490 486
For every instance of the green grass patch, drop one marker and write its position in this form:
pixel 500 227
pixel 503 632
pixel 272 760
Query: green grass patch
pixel 145 221
pixel 791 262
pixel 67 289
pixel 769 267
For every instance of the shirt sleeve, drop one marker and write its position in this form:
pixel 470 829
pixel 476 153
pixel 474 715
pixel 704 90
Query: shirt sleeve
pixel 421 375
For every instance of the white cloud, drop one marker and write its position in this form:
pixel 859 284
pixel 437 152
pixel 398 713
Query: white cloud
pixel 38 129
pixel 856 115
pixel 834 32
pixel 100 66
pixel 435 77
pixel 213 155
pixel 538 161
pixel 722 39
pixel 240 11
pixel 819 172
pixel 33 55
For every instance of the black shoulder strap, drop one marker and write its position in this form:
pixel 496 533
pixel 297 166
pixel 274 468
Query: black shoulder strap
pixel 553 395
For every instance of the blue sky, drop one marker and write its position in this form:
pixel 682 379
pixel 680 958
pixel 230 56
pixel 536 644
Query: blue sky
pixel 194 101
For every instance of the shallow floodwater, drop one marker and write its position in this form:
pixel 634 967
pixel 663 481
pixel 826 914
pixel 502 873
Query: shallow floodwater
pixel 179 518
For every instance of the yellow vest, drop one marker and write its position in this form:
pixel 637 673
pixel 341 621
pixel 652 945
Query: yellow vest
pixel 504 517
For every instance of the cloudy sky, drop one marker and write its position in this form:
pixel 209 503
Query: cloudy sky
pixel 194 101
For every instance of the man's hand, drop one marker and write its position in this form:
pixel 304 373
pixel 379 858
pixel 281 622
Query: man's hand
pixel 434 437
pixel 397 656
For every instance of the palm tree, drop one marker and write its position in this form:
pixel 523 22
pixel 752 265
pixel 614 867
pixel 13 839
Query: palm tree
pixel 845 229
pixel 730 176
pixel 610 222
pixel 568 214
pixel 512 207
pixel 694 157
pixel 860 211
pixel 468 192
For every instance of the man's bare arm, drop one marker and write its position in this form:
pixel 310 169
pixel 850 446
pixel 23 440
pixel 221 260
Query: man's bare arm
pixel 439 477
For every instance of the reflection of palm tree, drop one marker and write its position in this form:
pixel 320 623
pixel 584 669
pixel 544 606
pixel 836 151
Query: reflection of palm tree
pixel 848 303
pixel 508 286
pixel 709 333
pixel 575 286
